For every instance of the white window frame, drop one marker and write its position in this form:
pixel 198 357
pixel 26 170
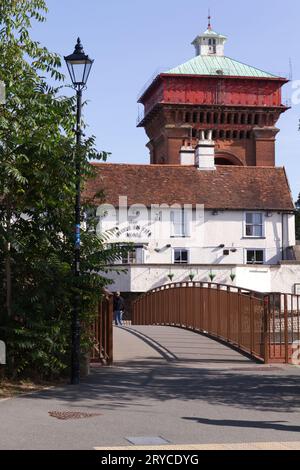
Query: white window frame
pixel 182 249
pixel 184 223
pixel 255 249
pixel 262 225
pixel 135 248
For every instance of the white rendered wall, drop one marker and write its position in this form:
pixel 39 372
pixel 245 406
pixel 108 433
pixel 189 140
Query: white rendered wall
pixel 141 278
pixel 144 278
pixel 284 277
pixel 257 278
pixel 291 230
pixel 205 235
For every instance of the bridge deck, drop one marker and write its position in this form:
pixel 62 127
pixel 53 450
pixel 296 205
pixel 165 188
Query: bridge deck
pixel 161 343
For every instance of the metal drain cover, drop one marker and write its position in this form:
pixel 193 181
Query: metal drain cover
pixel 147 441
pixel 64 415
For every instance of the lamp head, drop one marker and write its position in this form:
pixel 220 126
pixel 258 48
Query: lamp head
pixel 79 65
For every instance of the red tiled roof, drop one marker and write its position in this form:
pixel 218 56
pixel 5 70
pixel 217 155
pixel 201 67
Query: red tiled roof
pixel 228 187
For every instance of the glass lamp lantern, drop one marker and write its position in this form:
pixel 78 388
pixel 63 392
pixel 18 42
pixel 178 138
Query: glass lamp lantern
pixel 79 66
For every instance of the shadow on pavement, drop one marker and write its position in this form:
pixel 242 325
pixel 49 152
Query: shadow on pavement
pixel 273 425
pixel 137 383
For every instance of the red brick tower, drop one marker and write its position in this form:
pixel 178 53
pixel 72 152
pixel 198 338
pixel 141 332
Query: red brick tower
pixel 239 103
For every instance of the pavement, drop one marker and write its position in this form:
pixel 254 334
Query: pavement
pixel 168 389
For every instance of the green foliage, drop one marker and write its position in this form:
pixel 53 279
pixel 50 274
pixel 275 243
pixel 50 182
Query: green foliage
pixel 37 194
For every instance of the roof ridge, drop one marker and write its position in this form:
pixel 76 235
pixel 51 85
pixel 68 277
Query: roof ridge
pixel 253 67
pixel 178 165
pixel 232 67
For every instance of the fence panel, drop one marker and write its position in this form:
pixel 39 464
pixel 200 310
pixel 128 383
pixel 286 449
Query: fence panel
pixel 284 326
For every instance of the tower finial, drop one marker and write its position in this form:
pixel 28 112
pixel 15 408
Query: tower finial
pixel 209 19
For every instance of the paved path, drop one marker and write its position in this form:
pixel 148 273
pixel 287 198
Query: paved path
pixel 154 343
pixel 167 385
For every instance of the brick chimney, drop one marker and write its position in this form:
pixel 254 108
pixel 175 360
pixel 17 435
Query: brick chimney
pixel 205 152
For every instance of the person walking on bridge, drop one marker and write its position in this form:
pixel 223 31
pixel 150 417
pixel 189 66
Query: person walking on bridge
pixel 118 308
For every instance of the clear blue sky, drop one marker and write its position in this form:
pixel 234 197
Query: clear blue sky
pixel 131 39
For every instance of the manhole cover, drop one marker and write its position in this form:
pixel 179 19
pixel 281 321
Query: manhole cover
pixel 64 415
pixel 147 441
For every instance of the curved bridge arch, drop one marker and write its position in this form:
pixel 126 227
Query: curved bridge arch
pixel 265 326
pixel 235 316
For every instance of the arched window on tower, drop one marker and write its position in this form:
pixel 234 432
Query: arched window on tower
pixel 227 158
pixel 223 161
pixel 188 117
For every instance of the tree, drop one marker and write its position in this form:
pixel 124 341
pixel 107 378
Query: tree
pixel 37 188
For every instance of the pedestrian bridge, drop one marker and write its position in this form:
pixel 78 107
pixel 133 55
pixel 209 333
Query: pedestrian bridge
pixel 158 345
pixel 266 327
pixel 204 321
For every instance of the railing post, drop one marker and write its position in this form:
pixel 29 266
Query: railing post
pixel 286 330
pixel 134 313
pixel 219 311
pixel 105 330
pixel 228 312
pixel 209 309
pixel 110 333
pixel 102 313
pixel 251 323
pixel 266 327
pixel 239 318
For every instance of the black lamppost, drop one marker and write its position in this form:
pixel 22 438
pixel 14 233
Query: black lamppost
pixel 79 66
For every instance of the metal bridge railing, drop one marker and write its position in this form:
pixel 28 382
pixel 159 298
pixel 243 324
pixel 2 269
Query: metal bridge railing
pixel 262 325
pixel 102 333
